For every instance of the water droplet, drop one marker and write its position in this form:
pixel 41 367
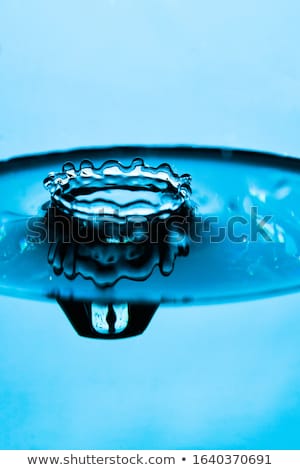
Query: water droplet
pixel 86 168
pixel 68 166
pixel 109 319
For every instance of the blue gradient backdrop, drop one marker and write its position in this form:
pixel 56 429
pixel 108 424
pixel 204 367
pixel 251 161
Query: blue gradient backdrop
pixel 76 73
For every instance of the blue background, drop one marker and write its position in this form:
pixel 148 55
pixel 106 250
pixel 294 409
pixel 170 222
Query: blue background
pixel 76 73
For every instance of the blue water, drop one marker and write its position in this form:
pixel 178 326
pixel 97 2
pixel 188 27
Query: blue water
pixel 114 72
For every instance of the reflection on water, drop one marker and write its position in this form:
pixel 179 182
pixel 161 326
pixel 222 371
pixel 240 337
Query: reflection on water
pixel 133 234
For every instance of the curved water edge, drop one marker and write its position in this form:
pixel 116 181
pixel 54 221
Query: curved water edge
pixel 244 240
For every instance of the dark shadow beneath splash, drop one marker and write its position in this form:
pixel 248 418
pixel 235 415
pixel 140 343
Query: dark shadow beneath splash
pixel 82 317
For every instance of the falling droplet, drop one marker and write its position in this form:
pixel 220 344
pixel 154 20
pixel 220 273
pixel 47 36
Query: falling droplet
pixel 109 319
